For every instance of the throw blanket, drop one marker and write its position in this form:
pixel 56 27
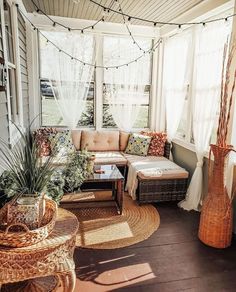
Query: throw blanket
pixel 161 168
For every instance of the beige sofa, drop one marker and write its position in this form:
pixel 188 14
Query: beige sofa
pixel 107 145
pixel 109 148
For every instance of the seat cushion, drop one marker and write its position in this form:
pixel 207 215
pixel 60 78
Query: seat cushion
pixel 104 158
pixel 142 159
pixel 100 140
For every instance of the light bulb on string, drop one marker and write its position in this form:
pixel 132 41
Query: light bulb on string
pixel 180 28
pixel 227 21
pixel 35 13
pixel 105 12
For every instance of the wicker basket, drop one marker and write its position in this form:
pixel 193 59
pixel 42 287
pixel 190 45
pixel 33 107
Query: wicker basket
pixel 29 237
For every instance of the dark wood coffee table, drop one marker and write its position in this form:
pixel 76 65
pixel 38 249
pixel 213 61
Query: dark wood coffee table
pixel 106 177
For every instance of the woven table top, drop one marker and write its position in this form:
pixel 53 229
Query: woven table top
pixel 66 227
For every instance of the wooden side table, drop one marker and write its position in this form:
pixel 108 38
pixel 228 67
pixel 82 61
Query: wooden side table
pixel 52 256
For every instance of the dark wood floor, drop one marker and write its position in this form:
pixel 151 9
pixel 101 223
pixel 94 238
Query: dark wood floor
pixel 172 259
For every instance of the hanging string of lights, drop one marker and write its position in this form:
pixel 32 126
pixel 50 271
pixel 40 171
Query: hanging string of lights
pixel 60 50
pixel 108 9
pixel 57 23
pixel 127 27
pixel 54 23
pixel 155 23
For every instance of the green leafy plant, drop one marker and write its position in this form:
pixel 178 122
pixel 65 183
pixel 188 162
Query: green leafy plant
pixel 76 170
pixel 25 174
pixel 24 171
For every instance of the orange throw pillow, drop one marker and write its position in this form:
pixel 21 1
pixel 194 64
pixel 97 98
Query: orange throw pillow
pixel 157 144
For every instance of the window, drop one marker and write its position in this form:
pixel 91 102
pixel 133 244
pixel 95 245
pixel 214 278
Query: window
pixel 206 44
pixel 51 115
pixel 14 103
pixel 120 50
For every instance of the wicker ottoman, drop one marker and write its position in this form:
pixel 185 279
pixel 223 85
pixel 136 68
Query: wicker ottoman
pixel 159 189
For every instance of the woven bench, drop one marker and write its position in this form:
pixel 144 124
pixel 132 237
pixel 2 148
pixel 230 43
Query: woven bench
pixel 165 187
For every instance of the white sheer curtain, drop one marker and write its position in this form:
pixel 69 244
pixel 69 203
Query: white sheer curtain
pixel 208 60
pixel 175 79
pixel 125 87
pixel 69 78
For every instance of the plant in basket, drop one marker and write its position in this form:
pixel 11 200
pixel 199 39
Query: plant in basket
pixel 24 180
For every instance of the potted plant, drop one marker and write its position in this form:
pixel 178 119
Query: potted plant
pixel 24 179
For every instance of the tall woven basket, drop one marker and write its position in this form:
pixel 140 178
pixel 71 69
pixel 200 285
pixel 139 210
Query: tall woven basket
pixel 216 220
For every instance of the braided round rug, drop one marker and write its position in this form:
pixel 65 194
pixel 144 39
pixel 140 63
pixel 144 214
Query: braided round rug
pixel 103 228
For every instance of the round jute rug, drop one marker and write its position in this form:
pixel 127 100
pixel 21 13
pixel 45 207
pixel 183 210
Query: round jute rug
pixel 103 228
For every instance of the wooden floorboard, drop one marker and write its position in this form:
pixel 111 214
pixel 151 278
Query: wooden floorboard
pixel 172 259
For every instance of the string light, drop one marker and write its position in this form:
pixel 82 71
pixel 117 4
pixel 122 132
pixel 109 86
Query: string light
pixel 128 29
pixel 62 25
pixel 92 27
pixel 154 47
pixel 158 22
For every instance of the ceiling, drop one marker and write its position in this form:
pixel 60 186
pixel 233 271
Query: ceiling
pixel 156 10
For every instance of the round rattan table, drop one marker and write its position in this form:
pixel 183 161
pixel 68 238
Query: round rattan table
pixel 52 256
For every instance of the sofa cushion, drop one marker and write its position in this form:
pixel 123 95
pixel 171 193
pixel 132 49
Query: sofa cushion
pixel 76 138
pixel 162 170
pixel 100 140
pixel 62 143
pixel 110 157
pixel 124 138
pixel 157 144
pixel 138 144
pixel 41 137
pixel 143 159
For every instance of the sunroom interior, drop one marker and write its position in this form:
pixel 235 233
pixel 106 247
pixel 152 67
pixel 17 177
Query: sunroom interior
pixel 122 66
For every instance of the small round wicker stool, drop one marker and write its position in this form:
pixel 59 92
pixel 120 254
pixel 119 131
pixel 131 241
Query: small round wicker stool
pixel 52 256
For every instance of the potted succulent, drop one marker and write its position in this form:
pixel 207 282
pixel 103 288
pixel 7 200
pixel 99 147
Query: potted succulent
pixel 24 179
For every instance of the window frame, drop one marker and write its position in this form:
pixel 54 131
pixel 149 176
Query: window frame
pixel 98 90
pixel 187 141
pixel 14 135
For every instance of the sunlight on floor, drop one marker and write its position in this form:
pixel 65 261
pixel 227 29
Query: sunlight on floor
pixel 119 231
pixel 117 278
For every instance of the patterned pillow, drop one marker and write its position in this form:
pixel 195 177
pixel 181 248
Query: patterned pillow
pixel 138 144
pixel 62 144
pixel 157 144
pixel 41 137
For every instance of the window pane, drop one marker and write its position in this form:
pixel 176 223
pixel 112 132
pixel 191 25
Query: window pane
pixel 8 30
pixel 13 96
pixel 184 123
pixel 51 115
pixel 123 82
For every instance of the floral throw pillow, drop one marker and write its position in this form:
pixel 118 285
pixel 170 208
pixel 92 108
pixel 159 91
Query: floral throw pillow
pixel 138 145
pixel 157 144
pixel 41 137
pixel 62 143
